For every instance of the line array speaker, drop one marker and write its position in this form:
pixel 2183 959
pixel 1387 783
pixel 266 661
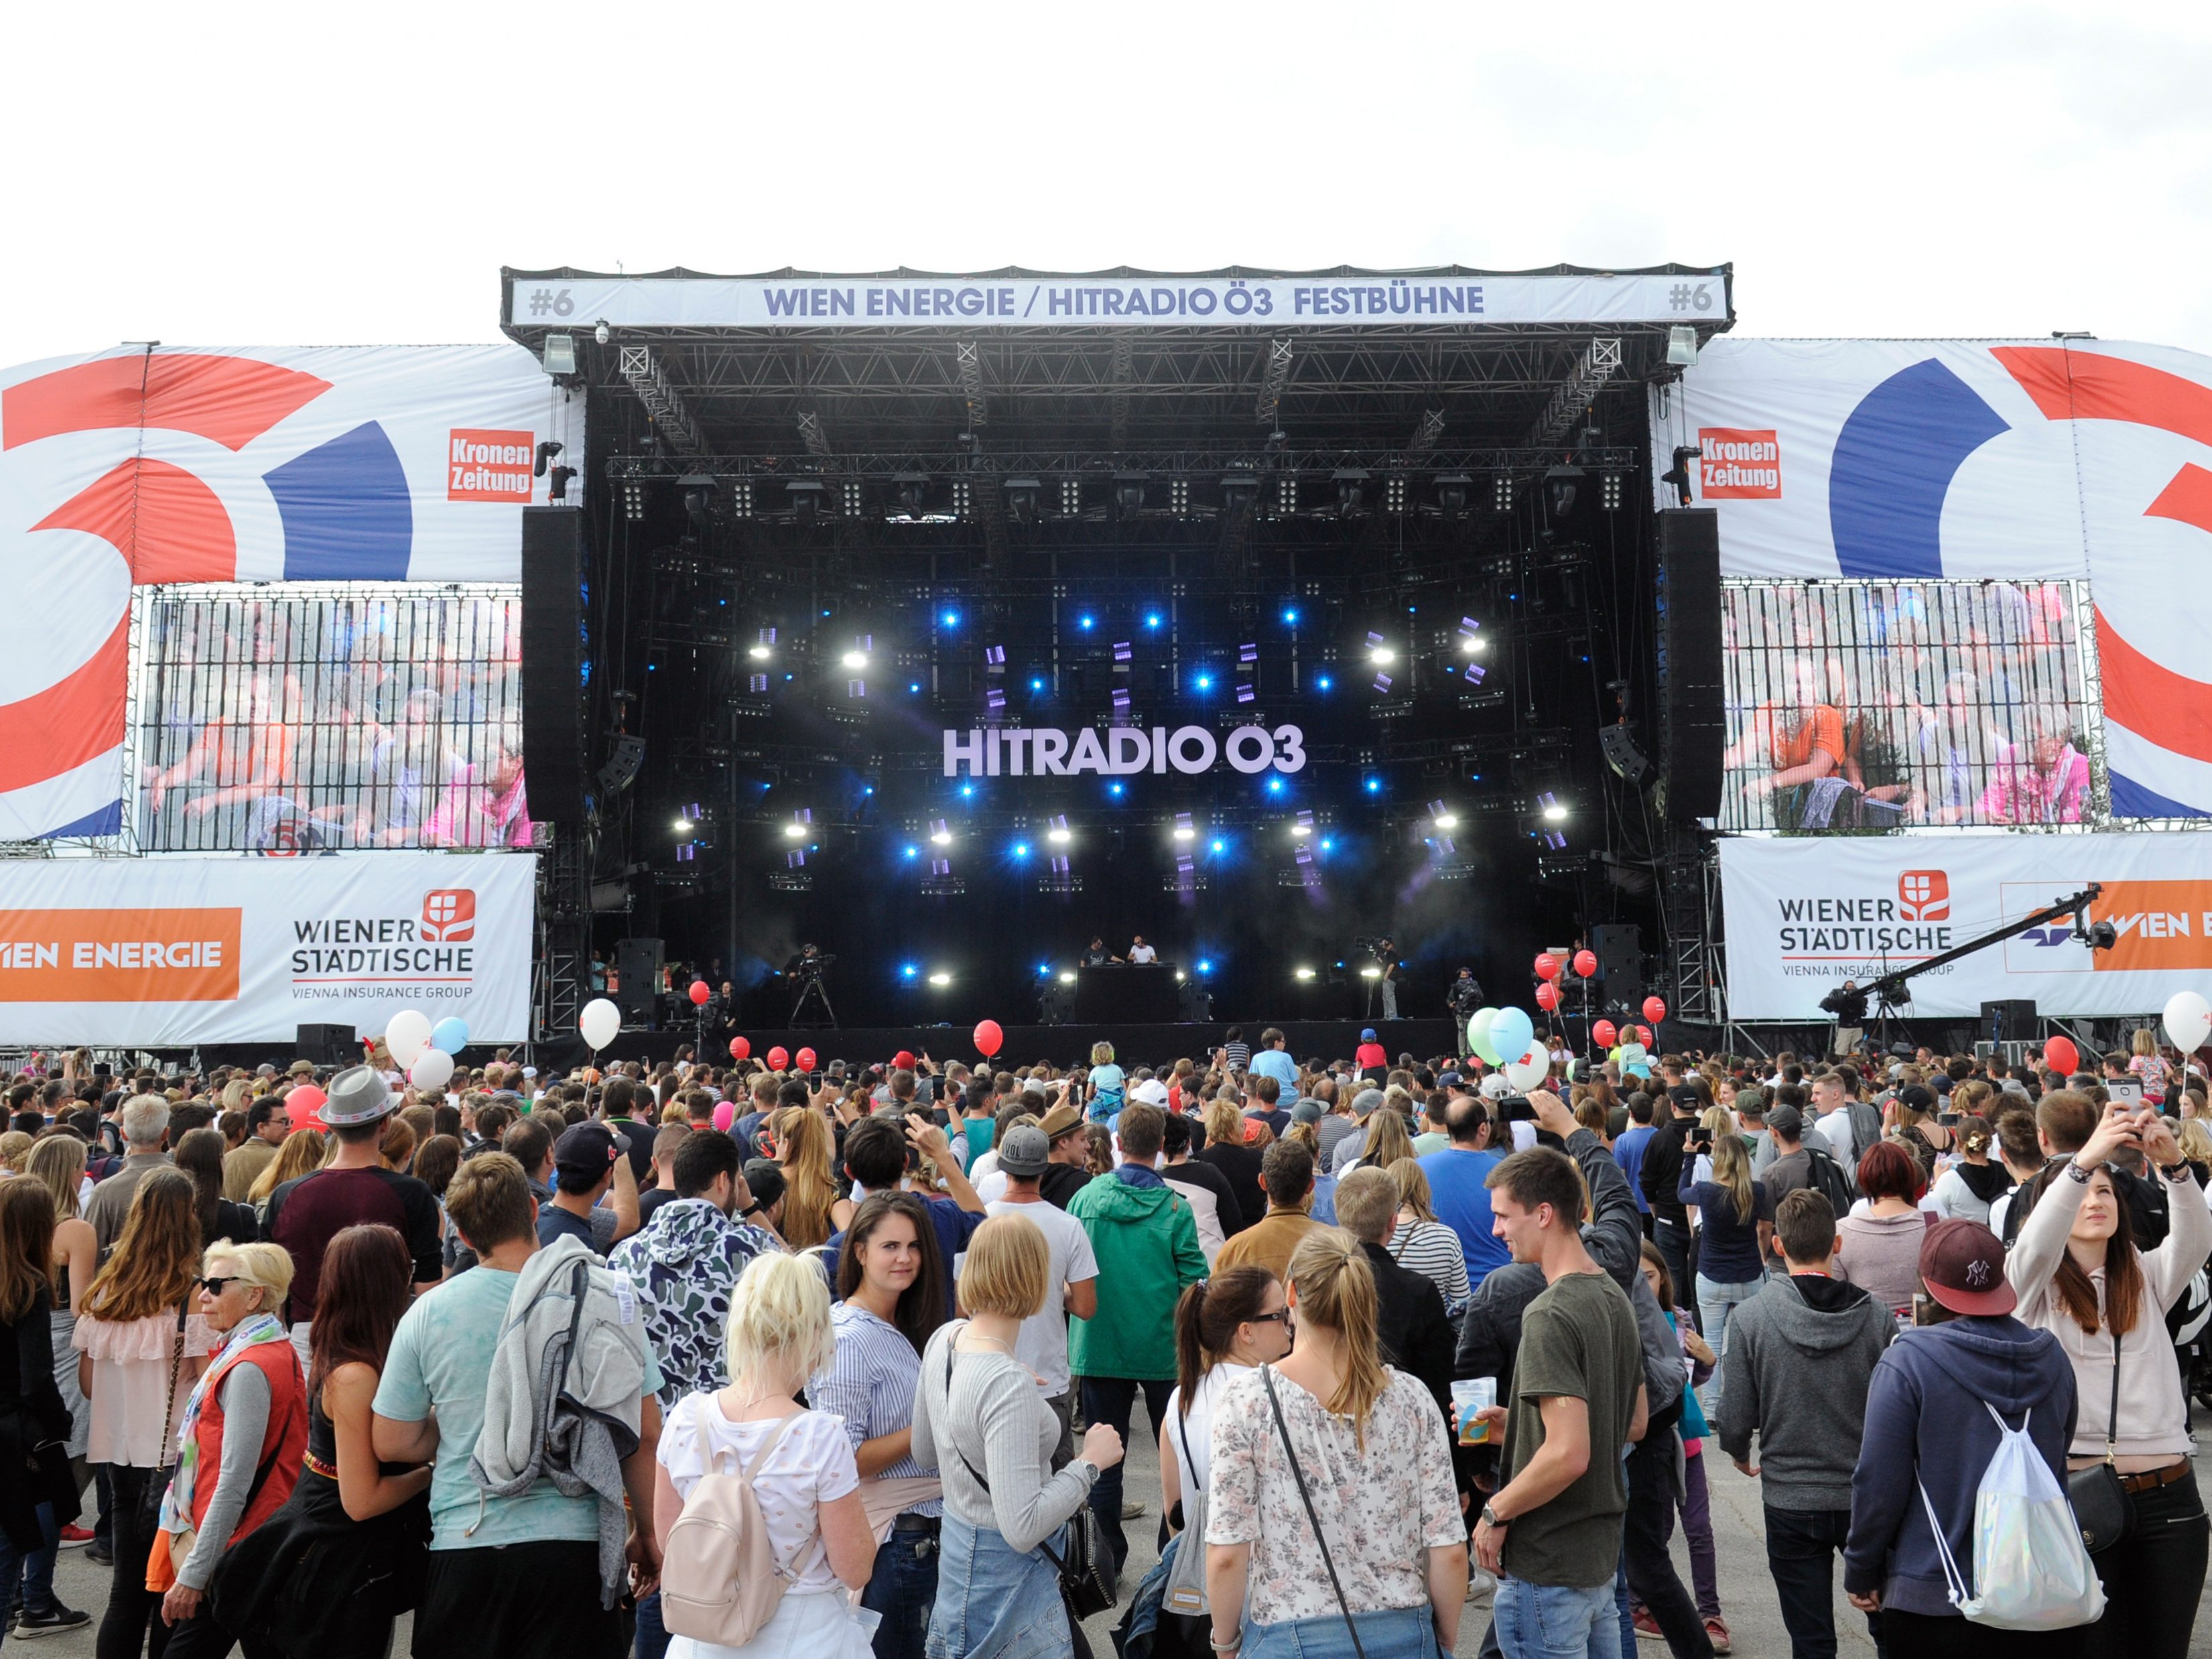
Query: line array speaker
pixel 1620 950
pixel 637 980
pixel 552 663
pixel 1692 724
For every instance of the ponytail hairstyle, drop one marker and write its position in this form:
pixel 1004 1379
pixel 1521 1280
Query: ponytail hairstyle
pixel 1207 1320
pixel 1336 1291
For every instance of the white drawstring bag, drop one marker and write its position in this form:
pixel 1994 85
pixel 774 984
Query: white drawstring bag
pixel 2030 1571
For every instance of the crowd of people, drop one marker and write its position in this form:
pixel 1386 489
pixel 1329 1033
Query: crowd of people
pixel 692 1359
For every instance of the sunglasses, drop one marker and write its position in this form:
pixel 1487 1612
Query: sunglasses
pixel 217 1286
pixel 1281 1315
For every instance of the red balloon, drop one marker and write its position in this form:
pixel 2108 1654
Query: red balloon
pixel 806 1060
pixel 1655 1009
pixel 741 1047
pixel 303 1105
pixel 2062 1056
pixel 1603 1035
pixel 1547 994
pixel 699 992
pixel 777 1060
pixel 1547 966
pixel 988 1038
pixel 1586 964
pixel 1643 1035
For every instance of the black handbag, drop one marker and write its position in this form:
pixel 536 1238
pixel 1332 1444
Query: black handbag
pixel 1274 1405
pixel 158 1477
pixel 1086 1572
pixel 2102 1508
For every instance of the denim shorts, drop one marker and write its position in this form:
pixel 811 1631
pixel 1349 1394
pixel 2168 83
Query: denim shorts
pixel 1557 1621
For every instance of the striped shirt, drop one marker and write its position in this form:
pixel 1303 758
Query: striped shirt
pixel 1240 1056
pixel 1432 1250
pixel 872 1384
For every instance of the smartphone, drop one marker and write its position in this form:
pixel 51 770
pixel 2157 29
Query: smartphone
pixel 1948 1120
pixel 101 1068
pixel 2127 1094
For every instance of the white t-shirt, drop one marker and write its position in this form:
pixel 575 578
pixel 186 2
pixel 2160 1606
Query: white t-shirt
pixel 1043 1344
pixel 1199 1425
pixel 1836 1129
pixel 814 1465
pixel 1143 953
pixel 991 1187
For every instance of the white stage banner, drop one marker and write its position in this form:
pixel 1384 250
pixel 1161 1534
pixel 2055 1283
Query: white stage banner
pixel 2004 461
pixel 169 952
pixel 1804 914
pixel 1366 300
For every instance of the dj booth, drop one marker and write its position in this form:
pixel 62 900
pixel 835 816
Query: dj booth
pixel 1125 993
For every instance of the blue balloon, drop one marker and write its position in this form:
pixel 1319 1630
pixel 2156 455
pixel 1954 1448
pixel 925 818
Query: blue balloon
pixel 450 1035
pixel 1510 1033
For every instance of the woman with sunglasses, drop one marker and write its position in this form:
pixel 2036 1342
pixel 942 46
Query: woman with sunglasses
pixel 239 1443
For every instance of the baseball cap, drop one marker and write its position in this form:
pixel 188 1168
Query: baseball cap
pixel 1025 1151
pixel 1306 1111
pixel 589 1147
pixel 1365 1102
pixel 1151 1091
pixel 764 1178
pixel 902 1060
pixel 1450 1080
pixel 1057 1122
pixel 1963 1266
pixel 1787 1121
pixel 1919 1099
pixel 1367 1034
pixel 1496 1086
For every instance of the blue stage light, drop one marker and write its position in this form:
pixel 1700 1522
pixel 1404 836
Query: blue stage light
pixel 1219 845
pixel 1327 844
pixel 1291 616
pixel 1086 621
pixel 1324 682
pixel 1021 850
pixel 1043 967
pixel 914 852
pixel 966 790
pixel 1153 619
pixel 1036 685
pixel 909 971
pixel 914 685
pixel 868 789
pixel 948 618
pixel 1204 966
pixel 1204 682
pixel 1374 786
pixel 1114 788
pixel 1274 785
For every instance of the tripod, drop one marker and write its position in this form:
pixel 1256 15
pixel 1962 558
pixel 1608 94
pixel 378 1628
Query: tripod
pixel 813 990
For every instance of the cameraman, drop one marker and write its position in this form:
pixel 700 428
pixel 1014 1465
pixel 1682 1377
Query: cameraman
pixel 1849 1004
pixel 1386 956
pixel 1465 995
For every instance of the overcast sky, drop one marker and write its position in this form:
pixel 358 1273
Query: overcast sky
pixel 301 174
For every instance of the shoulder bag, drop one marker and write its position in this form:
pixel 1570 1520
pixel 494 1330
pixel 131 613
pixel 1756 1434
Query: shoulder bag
pixel 1274 1405
pixel 1185 1591
pixel 2102 1508
pixel 1086 1572
pixel 157 1479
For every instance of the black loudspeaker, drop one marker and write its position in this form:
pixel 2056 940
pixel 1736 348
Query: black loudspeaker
pixel 327 1045
pixel 2011 1021
pixel 637 978
pixel 1619 949
pixel 1692 721
pixel 552 663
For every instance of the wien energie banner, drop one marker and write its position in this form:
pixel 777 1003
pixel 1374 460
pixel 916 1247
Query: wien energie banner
pixel 169 952
pixel 1803 916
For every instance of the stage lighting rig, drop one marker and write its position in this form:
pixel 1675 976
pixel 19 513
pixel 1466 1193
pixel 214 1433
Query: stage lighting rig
pixel 1562 486
pixel 1351 483
pixel 1129 492
pixel 1239 490
pixel 1454 491
pixel 912 489
pixel 1022 495
pixel 1679 474
pixel 808 498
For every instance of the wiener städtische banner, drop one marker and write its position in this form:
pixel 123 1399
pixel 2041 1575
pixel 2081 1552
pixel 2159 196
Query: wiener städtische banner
pixel 169 952
pixel 144 465
pixel 1991 460
pixel 1805 914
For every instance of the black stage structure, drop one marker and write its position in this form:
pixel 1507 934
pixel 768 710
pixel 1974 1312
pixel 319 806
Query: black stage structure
pixel 809 549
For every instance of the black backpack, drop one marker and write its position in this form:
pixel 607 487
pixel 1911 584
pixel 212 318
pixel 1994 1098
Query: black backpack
pixel 1830 1180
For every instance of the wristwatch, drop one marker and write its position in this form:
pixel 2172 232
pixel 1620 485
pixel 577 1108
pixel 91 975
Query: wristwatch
pixel 1084 1463
pixel 1491 1518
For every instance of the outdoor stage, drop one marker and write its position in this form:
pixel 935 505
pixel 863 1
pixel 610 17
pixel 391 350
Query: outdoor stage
pixel 1157 1046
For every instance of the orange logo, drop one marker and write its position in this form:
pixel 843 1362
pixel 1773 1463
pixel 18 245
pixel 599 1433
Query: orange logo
pixel 120 955
pixel 1924 896
pixel 1736 463
pixel 449 915
pixel 489 466
pixel 2160 924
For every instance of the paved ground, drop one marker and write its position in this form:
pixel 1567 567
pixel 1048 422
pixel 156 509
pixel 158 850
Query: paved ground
pixel 1746 1595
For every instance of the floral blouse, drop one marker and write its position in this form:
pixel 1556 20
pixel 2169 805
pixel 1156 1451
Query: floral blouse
pixel 1381 1508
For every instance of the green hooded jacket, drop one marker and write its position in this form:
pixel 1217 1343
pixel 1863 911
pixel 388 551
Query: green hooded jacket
pixel 1145 1239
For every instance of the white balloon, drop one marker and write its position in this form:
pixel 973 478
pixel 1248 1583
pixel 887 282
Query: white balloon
pixel 2188 1020
pixel 600 1023
pixel 407 1035
pixel 1529 1072
pixel 433 1069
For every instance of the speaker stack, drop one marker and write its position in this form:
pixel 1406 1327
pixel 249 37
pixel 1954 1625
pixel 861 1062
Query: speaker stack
pixel 552 663
pixel 1692 723
pixel 637 981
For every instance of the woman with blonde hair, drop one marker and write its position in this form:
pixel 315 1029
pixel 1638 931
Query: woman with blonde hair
pixel 812 1209
pixel 1966 1190
pixel 800 1461
pixel 1424 1244
pixel 2149 1064
pixel 143 1345
pixel 302 1151
pixel 1236 1163
pixel 979 1419
pixel 1736 1220
pixel 240 1441
pixel 1387 1140
pixel 1328 1451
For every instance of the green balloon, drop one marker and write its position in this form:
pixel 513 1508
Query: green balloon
pixel 1478 1036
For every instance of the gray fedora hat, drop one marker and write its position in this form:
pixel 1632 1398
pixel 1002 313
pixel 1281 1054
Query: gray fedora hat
pixel 357 1095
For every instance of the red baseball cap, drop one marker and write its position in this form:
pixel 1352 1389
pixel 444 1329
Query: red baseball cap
pixel 1963 1266
pixel 902 1060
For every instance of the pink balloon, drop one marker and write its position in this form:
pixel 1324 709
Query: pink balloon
pixel 777 1060
pixel 726 1113
pixel 988 1038
pixel 699 992
pixel 806 1060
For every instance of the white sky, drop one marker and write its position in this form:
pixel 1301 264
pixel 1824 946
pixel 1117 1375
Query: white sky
pixel 240 174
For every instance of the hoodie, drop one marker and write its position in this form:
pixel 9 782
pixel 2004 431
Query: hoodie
pixel 1799 1355
pixel 1145 1238
pixel 683 1263
pixel 1927 1422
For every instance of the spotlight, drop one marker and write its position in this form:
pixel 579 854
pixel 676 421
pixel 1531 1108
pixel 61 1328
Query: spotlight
pixel 807 497
pixel 1086 621
pixel 1291 616
pixel 1071 496
pixel 1555 812
pixel 1393 494
pixel 914 852
pixel 855 659
pixel 1021 850
pixel 1327 845
pixel 1305 973
pixel 948 619
pixel 1301 830
pixel 1066 978
pixel 757 652
pixel 908 971
pixel 1204 682
pixel 1022 499
pixel 1274 785
pixel 560 354
pixel 1454 490
pixel 1373 786
pixel 698 491
pixel 1059 836
pixel 1446 820
pixel 1501 493
pixel 1152 619
pixel 940 977
pixel 1184 832
pixel 1351 483
pixel 1324 682
pixel 1219 845
pixel 603 333
pixel 1608 492
pixel 941 838
pixel 1682 346
pixel 794 831
pixel 1204 966
pixel 1129 492
pixel 1561 485
pixel 1381 656
pixel 1370 971
pixel 683 826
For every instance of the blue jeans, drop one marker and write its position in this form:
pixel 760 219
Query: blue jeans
pixel 1557 1621
pixel 653 1637
pixel 903 1588
pixel 29 1575
pixel 1399 1633
pixel 1716 1302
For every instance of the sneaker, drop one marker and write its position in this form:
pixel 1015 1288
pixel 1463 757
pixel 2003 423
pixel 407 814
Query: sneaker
pixel 1482 1584
pixel 1717 1627
pixel 1131 1508
pixel 76 1537
pixel 1646 1625
pixel 54 1619
pixel 100 1555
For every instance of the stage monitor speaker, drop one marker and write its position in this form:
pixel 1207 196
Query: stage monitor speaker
pixel 2010 1021
pixel 327 1045
pixel 637 980
pixel 552 663
pixel 1691 720
pixel 1620 950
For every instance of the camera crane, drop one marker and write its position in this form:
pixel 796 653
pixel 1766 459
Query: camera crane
pixel 1890 990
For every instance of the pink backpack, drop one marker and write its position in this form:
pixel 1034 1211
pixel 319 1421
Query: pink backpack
pixel 720 1578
